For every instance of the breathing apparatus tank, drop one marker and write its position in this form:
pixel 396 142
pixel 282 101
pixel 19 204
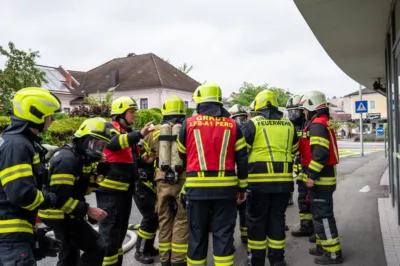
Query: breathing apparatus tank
pixel 165 148
pixel 176 161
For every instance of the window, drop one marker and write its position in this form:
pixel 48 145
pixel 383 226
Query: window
pixel 186 104
pixel 67 110
pixel 144 103
pixel 372 105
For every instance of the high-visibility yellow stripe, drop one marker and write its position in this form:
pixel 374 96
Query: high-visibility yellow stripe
pixel 15 226
pixel 325 181
pixel 62 179
pixel 164 246
pixel 222 154
pixel 70 205
pixel 223 260
pixel 267 177
pixel 123 141
pixel 276 244
pixel 146 235
pixel 191 262
pixel 181 148
pixel 108 183
pixel 36 159
pixel 240 144
pixel 14 172
pixel 36 202
pixel 271 155
pixel 257 244
pixel 200 150
pixel 110 260
pixel 295 147
pixel 305 216
pixel 317 167
pixel 150 185
pixel 211 181
pixel 314 140
pixel 180 248
pixel 51 214
pixel 156 134
pixel 243 183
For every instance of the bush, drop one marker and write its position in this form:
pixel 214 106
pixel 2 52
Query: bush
pixel 59 116
pixel 189 112
pixel 145 116
pixel 4 122
pixel 158 110
pixel 91 111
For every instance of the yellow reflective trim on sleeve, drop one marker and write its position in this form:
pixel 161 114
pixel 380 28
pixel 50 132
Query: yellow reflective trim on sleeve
pixel 276 244
pixel 211 181
pixel 51 214
pixel 70 205
pixel 181 148
pixel 15 226
pixel 200 150
pixel 302 177
pixel 243 183
pixel 62 179
pixel 295 147
pixel 36 202
pixel 156 134
pixel 150 185
pixel 123 141
pixel 180 248
pixel 257 244
pixel 223 260
pixel 240 144
pixel 14 172
pixel 110 260
pixel 314 140
pixel 222 154
pixel 108 183
pixel 191 262
pixel 36 159
pixel 315 166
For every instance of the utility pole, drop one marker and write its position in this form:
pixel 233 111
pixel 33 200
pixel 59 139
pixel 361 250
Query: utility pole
pixel 361 126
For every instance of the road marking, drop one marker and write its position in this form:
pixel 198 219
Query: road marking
pixel 348 153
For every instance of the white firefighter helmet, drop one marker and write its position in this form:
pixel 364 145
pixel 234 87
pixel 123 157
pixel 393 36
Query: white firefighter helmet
pixel 293 102
pixel 313 101
pixel 238 113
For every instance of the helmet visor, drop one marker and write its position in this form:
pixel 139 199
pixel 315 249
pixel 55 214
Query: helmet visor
pixel 241 119
pixel 96 145
pixel 294 114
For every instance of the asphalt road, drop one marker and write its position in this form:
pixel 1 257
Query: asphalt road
pixel 356 214
pixel 350 145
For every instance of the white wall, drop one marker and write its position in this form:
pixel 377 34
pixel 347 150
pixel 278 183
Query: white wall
pixel 155 96
pixel 65 99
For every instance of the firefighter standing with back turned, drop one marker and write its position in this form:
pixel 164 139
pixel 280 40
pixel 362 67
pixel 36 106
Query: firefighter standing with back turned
pixel 240 116
pixel 162 146
pixel 211 143
pixel 271 141
pixel 21 167
pixel 296 116
pixel 73 175
pixel 321 176
pixel 114 194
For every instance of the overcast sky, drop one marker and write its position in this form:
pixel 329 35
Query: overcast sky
pixel 229 42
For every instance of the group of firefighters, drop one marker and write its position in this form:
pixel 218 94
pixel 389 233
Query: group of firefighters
pixel 187 176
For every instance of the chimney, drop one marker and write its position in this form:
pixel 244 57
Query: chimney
pixel 68 79
pixel 131 54
pixel 114 77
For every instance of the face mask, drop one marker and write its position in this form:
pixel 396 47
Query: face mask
pixel 294 114
pixel 95 148
pixel 241 119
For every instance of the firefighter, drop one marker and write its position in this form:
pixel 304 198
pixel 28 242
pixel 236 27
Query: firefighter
pixel 211 143
pixel 161 146
pixel 72 175
pixel 321 158
pixel 271 140
pixel 114 194
pixel 240 116
pixel 145 200
pixel 21 170
pixel 296 116
pixel 251 108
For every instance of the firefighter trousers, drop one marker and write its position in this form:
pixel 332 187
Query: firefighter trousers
pixel 266 226
pixel 306 222
pixel 223 224
pixel 17 254
pixel 77 235
pixel 242 219
pixel 145 201
pixel 321 198
pixel 173 228
pixel 113 228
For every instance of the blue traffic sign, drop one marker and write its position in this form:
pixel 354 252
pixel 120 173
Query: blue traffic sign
pixel 380 131
pixel 361 107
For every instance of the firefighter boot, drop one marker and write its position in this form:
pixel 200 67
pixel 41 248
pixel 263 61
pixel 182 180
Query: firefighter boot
pixel 243 239
pixel 277 262
pixel 165 263
pixel 140 248
pixel 149 248
pixel 317 251
pixel 328 260
pixel 312 238
pixel 178 264
pixel 303 231
pixel 286 227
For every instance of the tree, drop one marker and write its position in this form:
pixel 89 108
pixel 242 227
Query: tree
pixel 19 72
pixel 248 92
pixel 186 68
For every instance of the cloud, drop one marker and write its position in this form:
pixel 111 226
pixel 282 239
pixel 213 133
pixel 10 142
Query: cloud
pixel 229 42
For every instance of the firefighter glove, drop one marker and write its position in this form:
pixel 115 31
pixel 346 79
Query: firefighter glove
pixel 45 246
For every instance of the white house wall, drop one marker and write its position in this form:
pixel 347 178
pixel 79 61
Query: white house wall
pixel 155 97
pixel 65 99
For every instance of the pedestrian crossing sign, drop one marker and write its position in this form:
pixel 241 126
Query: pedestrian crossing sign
pixel 361 107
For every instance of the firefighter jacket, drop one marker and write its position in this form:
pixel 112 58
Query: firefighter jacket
pixel 271 143
pixel 297 160
pixel 19 196
pixel 320 148
pixel 211 145
pixel 70 178
pixel 120 167
pixel 151 147
pixel 146 170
